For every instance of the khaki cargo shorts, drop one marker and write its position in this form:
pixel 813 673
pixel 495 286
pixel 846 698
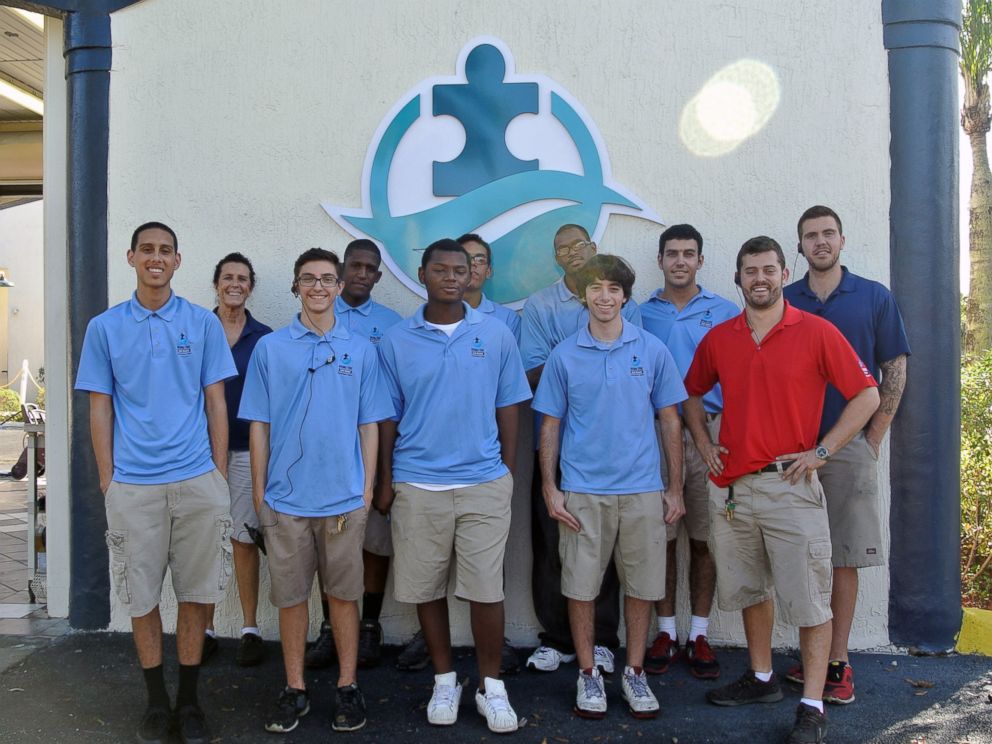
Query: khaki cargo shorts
pixel 696 493
pixel 378 535
pixel 239 485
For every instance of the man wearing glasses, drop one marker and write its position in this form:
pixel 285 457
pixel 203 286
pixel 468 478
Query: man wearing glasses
pixel 551 315
pixel 314 396
pixel 481 257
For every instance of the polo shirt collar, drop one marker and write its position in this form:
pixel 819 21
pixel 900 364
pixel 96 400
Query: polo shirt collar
pixel 703 294
pixel 167 312
pixel 564 294
pixel 486 305
pixel 472 316
pixel 297 330
pixel 847 284
pixel 340 306
pixel 791 316
pixel 627 333
pixel 251 325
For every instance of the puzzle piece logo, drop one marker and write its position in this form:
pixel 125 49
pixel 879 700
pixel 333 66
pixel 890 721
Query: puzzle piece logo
pixel 511 157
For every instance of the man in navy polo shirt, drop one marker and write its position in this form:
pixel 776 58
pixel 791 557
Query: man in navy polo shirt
pixel 481 256
pixel 606 384
pixel 355 309
pixel 313 395
pixel 154 367
pixel 680 314
pixel 456 379
pixel 866 313
pixel 551 315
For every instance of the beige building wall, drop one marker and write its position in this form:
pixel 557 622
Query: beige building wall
pixel 23 262
pixel 233 121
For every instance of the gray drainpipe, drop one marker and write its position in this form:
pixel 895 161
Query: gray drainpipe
pixel 921 37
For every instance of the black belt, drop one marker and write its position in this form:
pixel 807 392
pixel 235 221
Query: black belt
pixel 779 466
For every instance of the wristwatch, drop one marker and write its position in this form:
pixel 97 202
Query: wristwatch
pixel 822 452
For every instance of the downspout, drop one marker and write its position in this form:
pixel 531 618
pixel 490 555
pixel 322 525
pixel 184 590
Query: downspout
pixel 921 37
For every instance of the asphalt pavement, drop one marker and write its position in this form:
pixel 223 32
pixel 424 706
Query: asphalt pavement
pixel 86 687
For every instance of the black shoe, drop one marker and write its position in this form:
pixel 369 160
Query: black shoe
pixel 154 726
pixel 810 728
pixel 369 644
pixel 415 656
pixel 349 709
pixel 322 653
pixel 509 662
pixel 192 725
pixel 251 650
pixel 291 706
pixel 746 690
pixel 210 647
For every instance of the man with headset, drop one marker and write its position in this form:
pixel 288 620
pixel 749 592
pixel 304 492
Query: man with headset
pixel 313 396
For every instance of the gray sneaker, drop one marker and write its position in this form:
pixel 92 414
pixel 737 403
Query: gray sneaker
pixel 415 656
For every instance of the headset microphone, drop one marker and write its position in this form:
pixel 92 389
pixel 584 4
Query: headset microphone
pixel 329 360
pixel 801 252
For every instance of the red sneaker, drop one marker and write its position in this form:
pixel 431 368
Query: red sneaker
pixel 795 675
pixel 702 660
pixel 661 654
pixel 839 687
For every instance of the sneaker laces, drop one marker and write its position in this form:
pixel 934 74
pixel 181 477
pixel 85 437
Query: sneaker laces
pixel 498 703
pixel 701 649
pixel 287 700
pixel 638 684
pixel 591 686
pixel 661 646
pixel 446 695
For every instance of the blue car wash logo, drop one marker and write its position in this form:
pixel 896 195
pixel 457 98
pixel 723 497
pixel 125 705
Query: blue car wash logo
pixel 344 366
pixel 183 348
pixel 489 151
pixel 478 348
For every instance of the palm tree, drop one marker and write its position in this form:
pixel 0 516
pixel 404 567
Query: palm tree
pixel 976 60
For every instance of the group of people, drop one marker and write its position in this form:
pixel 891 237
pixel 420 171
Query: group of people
pixel 351 442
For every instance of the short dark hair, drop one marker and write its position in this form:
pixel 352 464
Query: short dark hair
pixel 444 244
pixel 604 266
pixel 680 232
pixel 153 226
pixel 817 210
pixel 235 257
pixel 760 244
pixel 315 254
pixel 572 226
pixel 362 244
pixel 475 238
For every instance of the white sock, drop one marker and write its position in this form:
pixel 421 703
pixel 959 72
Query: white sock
pixel 246 631
pixel 818 704
pixel 764 677
pixel 211 633
pixel 698 626
pixel 667 625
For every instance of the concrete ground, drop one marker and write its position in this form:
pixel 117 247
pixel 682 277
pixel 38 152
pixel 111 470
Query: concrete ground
pixel 87 688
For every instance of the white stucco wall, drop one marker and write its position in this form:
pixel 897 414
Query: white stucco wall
pixel 233 121
pixel 22 255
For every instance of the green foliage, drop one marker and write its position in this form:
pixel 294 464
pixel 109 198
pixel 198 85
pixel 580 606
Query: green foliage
pixel 10 403
pixel 976 481
pixel 39 398
pixel 976 40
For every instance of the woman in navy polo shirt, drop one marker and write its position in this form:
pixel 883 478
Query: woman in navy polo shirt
pixel 234 280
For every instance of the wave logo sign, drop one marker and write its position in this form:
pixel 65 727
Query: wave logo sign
pixel 488 151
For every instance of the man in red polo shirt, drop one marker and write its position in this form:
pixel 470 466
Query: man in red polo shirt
pixel 773 363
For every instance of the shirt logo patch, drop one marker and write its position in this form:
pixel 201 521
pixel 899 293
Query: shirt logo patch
pixel 871 551
pixel 375 336
pixel 344 366
pixel 478 350
pixel 707 320
pixel 864 369
pixel 183 347
pixel 636 370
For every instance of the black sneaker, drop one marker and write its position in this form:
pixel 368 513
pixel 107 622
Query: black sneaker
pixel 349 709
pixel 369 644
pixel 154 726
pixel 811 726
pixel 192 725
pixel 746 690
pixel 291 706
pixel 210 646
pixel 509 662
pixel 415 656
pixel 322 653
pixel 251 650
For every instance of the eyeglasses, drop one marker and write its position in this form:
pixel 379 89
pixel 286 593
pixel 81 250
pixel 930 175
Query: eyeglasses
pixel 578 245
pixel 479 260
pixel 309 280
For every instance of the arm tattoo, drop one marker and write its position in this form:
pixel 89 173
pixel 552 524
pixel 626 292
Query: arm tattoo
pixel 893 382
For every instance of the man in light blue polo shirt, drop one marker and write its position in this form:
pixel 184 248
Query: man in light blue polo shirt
pixel 355 309
pixel 605 385
pixel 680 314
pixel 867 315
pixel 154 367
pixel 481 256
pixel 550 315
pixel 456 380
pixel 313 395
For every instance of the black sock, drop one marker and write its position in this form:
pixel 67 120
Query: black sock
pixel 324 609
pixel 372 606
pixel 155 682
pixel 188 676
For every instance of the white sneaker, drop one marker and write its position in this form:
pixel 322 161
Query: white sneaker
pixel 547 659
pixel 442 710
pixel 635 690
pixel 495 706
pixel 590 695
pixel 602 658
